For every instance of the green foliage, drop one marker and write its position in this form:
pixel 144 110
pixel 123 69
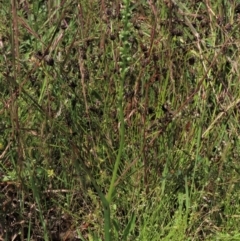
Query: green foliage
pixel 119 121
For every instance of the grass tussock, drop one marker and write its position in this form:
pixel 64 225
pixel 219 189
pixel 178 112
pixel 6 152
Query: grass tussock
pixel 119 120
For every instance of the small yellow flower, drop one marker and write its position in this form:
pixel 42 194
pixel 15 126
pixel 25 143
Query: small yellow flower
pixel 50 173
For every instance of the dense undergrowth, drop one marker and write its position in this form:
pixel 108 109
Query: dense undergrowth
pixel 119 120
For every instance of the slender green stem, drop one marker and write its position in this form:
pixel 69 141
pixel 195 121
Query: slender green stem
pixel 120 150
pixel 124 54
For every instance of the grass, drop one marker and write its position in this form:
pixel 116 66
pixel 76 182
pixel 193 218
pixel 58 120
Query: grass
pixel 119 121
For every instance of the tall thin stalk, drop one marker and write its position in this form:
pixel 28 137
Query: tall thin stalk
pixel 124 66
